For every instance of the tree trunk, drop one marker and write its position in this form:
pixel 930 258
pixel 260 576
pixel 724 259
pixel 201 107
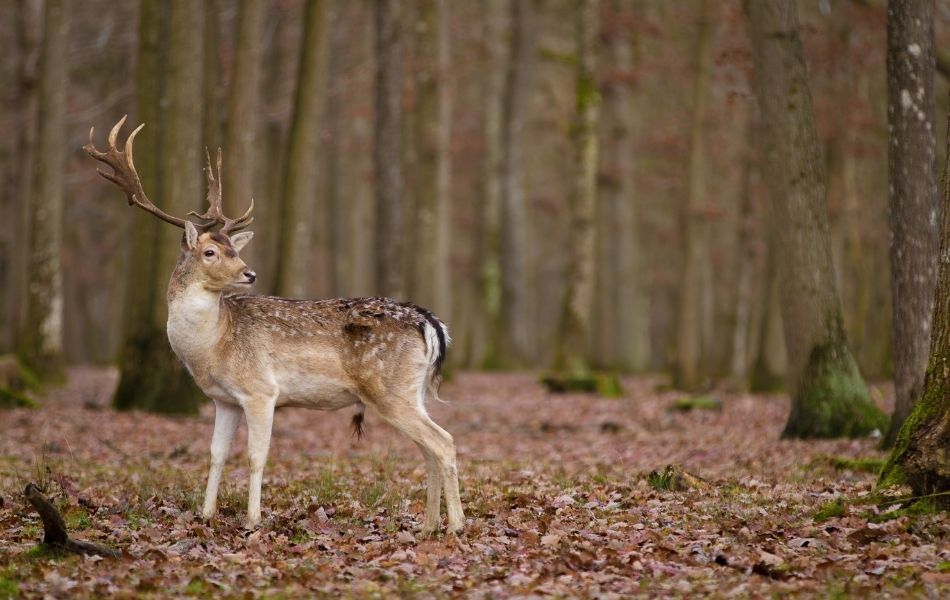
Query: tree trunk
pixel 242 139
pixel 300 178
pixel 691 314
pixel 387 151
pixel 912 196
pixel 513 343
pixel 572 354
pixel 169 80
pixel 770 366
pixel 829 397
pixel 41 339
pixel 622 326
pixel 28 27
pixel 430 286
pixel 341 211
pixel 211 138
pixel 746 257
pixel 920 458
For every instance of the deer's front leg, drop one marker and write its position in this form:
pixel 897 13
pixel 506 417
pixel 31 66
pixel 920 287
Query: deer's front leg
pixel 260 419
pixel 226 419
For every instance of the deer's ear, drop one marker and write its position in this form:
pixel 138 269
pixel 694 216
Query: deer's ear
pixel 239 240
pixel 191 235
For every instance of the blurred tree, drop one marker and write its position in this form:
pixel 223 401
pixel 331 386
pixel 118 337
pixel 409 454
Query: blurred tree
pixel 40 343
pixel 920 457
pixel 17 193
pixel 622 332
pixel 690 315
pixel 488 335
pixel 242 133
pixel 212 79
pixel 429 268
pixel 168 158
pixel 300 178
pixel 913 196
pixel 341 265
pixel 572 345
pixel 829 397
pixel 770 361
pixel 512 342
pixel 387 150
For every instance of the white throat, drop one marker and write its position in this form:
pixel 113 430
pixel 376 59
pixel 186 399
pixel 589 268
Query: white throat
pixel 194 322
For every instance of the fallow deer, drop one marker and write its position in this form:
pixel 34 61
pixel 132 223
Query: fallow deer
pixel 253 354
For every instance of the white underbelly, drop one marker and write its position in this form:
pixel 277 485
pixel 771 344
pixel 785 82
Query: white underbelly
pixel 314 391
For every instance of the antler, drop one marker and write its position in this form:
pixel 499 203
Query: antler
pixel 125 176
pixel 215 212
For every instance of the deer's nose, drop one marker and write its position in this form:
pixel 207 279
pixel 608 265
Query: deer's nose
pixel 251 275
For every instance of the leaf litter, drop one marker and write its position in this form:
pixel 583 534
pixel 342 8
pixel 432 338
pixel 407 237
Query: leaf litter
pixel 557 504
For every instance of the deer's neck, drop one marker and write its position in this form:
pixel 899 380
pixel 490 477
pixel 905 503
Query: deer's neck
pixel 197 320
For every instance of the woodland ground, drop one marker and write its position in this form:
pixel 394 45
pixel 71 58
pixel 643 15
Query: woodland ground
pixel 555 489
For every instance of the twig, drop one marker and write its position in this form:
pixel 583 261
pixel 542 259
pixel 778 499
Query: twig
pixel 54 528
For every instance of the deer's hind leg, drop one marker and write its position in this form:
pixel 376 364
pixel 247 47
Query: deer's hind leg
pixel 406 413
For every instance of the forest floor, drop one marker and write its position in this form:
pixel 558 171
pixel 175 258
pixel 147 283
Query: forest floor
pixel 555 489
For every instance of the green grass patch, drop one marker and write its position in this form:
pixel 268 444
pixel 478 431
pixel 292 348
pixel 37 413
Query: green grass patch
pixel 9 587
pixel 689 403
pixel 602 383
pixel 843 463
pixel 831 510
pixel 943 567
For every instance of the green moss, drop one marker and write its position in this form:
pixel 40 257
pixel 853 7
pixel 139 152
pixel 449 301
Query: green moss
pixel 688 403
pixel 13 399
pixel 831 510
pixel 673 478
pixel 602 383
pixel 832 400
pixel 9 587
pixel 930 405
pixel 843 463
pixel 922 507
pixel 943 567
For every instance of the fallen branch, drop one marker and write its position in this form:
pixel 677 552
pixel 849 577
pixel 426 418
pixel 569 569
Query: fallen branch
pixel 54 528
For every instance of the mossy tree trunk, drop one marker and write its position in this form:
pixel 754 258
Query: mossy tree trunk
pixel 168 155
pixel 300 175
pixel 572 355
pixel 512 335
pixel 429 284
pixel 621 326
pixel 913 196
pixel 242 138
pixel 829 397
pixel 387 150
pixel 920 458
pixel 690 318
pixel 40 343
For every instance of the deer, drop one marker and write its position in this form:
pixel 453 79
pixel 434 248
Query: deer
pixel 253 354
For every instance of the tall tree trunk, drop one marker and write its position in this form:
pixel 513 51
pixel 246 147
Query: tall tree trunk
pixel 487 338
pixel 512 335
pixel 572 354
pixel 770 365
pixel 829 397
pixel 430 286
pixel 690 315
pixel 241 137
pixel 168 81
pixel 622 328
pixel 746 256
pixel 912 196
pixel 387 150
pixel 28 28
pixel 920 458
pixel 300 178
pixel 341 211
pixel 41 339
pixel 211 138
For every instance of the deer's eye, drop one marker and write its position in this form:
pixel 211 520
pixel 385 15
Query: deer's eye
pixel 209 252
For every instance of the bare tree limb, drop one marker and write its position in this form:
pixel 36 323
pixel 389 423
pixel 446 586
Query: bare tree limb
pixel 54 528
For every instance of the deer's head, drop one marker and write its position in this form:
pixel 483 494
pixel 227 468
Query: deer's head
pixel 209 257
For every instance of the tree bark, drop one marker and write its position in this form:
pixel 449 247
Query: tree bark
pixel 300 178
pixel 829 397
pixel 341 211
pixel 912 196
pixel 691 315
pixel 622 327
pixel 513 343
pixel 430 286
pixel 168 158
pixel 387 150
pixel 920 458
pixel 41 339
pixel 242 137
pixel 573 338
